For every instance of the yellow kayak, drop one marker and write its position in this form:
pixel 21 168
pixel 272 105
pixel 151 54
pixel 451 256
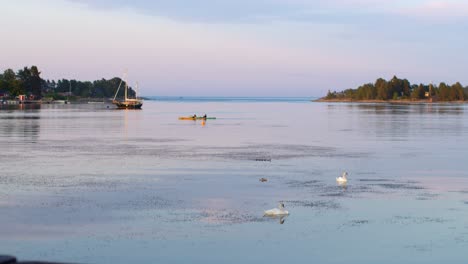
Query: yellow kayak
pixel 195 118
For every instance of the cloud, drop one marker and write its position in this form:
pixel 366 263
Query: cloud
pixel 201 10
pixel 312 11
pixel 439 10
pixel 250 11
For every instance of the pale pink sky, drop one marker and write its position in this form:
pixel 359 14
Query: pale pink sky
pixel 238 48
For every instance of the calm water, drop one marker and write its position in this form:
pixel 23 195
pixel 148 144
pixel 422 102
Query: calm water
pixel 83 183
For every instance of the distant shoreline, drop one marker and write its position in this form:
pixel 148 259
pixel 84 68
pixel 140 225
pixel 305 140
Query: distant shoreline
pixel 398 101
pixel 401 91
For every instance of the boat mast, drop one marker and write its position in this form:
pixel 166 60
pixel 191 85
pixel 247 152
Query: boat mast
pixel 126 87
pixel 118 88
pixel 136 91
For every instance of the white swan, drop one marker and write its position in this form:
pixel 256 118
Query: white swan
pixel 276 211
pixel 343 179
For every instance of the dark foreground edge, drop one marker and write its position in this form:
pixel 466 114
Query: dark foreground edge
pixel 12 260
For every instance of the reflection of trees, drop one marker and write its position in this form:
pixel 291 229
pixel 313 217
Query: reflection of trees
pixel 400 121
pixel 20 122
pixel 406 109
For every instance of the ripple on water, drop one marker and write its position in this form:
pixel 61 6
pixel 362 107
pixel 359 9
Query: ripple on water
pixel 303 184
pixel 427 196
pixel 399 186
pixel 356 223
pixel 374 180
pixel 411 220
pixel 320 204
pixel 420 247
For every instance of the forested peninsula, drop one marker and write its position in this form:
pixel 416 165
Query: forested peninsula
pixel 28 82
pixel 400 90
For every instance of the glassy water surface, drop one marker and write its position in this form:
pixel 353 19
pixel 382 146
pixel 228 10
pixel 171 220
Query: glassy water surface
pixel 84 183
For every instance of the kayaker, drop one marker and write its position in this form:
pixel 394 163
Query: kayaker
pixel 204 117
pixel 194 116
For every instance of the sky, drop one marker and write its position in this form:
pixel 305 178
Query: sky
pixel 238 47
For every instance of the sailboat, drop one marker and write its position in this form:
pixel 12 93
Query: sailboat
pixel 127 103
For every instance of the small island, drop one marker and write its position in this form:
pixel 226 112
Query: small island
pixel 27 86
pixel 400 91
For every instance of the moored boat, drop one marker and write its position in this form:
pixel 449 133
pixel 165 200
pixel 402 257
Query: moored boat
pixel 127 103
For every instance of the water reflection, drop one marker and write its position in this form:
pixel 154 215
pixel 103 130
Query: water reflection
pixel 400 122
pixel 402 109
pixel 131 121
pixel 6 107
pixel 21 122
pixel 280 218
pixel 343 185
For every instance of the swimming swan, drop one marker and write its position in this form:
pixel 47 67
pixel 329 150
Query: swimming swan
pixel 343 178
pixel 276 211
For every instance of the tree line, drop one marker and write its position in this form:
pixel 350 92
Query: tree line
pixel 397 89
pixel 28 81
